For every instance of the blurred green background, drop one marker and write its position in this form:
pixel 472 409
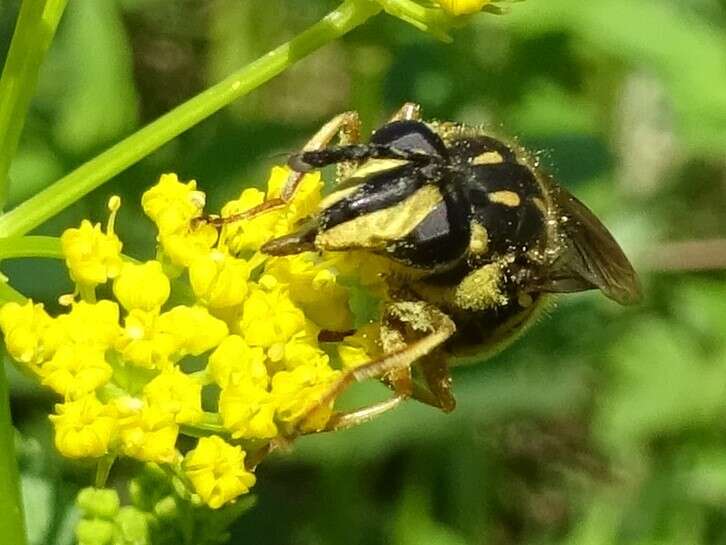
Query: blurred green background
pixel 603 425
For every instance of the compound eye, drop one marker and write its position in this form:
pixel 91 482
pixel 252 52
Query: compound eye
pixel 410 136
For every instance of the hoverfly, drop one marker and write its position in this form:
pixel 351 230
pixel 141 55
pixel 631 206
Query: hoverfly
pixel 482 235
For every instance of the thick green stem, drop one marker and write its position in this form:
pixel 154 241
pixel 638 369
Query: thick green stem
pixel 33 34
pixel 95 172
pixel 12 522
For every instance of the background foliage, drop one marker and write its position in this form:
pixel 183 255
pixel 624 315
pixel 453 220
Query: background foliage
pixel 603 425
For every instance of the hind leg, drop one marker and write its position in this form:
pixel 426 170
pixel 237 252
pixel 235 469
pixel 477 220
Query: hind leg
pixel 426 325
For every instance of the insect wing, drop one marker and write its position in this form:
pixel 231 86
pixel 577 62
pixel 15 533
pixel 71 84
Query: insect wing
pixel 590 258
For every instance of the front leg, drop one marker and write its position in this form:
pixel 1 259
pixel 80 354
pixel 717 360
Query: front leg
pixel 410 111
pixel 346 126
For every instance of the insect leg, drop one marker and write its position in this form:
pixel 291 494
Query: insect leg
pixel 342 421
pixel 438 382
pixel 346 125
pixel 410 111
pixel 418 317
pixel 305 161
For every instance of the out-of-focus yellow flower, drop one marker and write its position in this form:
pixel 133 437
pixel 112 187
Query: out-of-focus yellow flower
pixel 28 331
pixel 217 472
pixel 218 279
pixel 146 432
pixel 299 391
pixel 313 286
pixel 463 7
pixel 270 317
pixel 234 362
pixel 76 370
pixel 193 328
pixel 92 256
pixel 248 411
pixel 143 286
pixel 360 348
pixel 143 344
pixel 91 323
pixel 83 428
pixel 177 394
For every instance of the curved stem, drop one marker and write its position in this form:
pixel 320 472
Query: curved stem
pixel 33 34
pixel 70 188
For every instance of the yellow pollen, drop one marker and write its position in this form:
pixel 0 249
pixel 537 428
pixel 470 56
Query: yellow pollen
pixel 479 240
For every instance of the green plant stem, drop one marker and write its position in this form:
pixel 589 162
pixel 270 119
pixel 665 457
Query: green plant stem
pixel 31 246
pixel 34 31
pixel 431 20
pixel 12 521
pixel 33 34
pixel 70 188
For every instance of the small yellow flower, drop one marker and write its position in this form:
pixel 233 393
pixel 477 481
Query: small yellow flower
pixel 303 350
pixel 270 317
pixel 300 390
pixel 217 472
pixel 463 7
pixel 92 256
pixel 143 286
pixel 314 287
pixel 172 205
pixel 28 331
pixel 218 279
pixel 143 344
pixel 147 433
pixel 248 234
pixel 193 328
pixel 176 393
pixel 76 370
pixel 248 411
pixel 91 323
pixel 83 428
pixel 360 348
pixel 183 247
pixel 235 362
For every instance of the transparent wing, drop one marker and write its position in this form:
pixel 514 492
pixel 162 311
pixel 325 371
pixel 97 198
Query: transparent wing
pixel 590 258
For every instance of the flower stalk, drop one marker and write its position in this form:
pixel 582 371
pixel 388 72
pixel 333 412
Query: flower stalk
pixel 12 521
pixel 103 167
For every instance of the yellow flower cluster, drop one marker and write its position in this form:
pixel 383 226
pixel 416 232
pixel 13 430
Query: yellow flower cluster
pixel 129 370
